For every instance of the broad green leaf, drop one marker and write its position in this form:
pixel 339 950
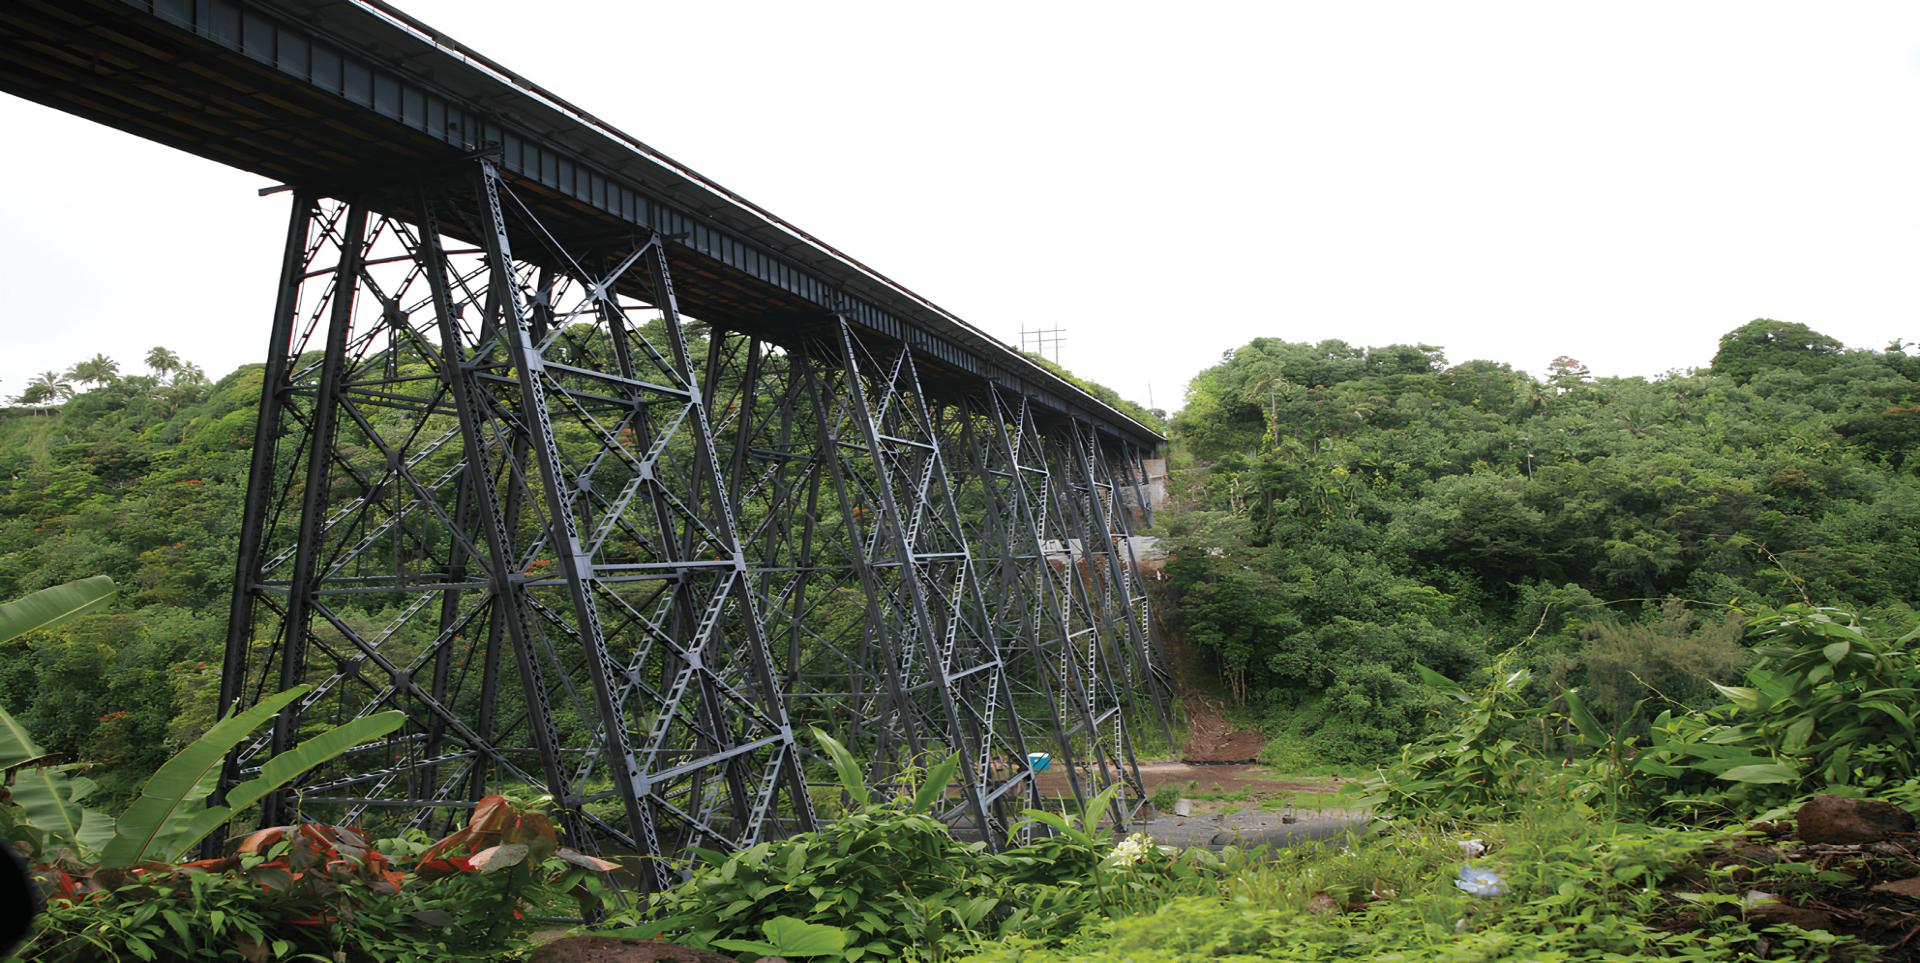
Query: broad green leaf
pixel 1748 699
pixel 1799 733
pixel 978 908
pixel 851 778
pixel 1659 730
pixel 936 785
pixel 1902 716
pixel 45 793
pixel 1768 773
pixel 1837 763
pixel 95 830
pixel 1059 823
pixel 52 606
pixel 49 797
pixel 1090 816
pixel 16 745
pixel 1837 651
pixel 755 947
pixel 185 827
pixel 1434 679
pixel 1590 731
pixel 171 788
pixel 794 937
pixel 284 767
pixel 1730 763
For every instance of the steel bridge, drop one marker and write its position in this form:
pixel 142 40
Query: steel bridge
pixel 612 481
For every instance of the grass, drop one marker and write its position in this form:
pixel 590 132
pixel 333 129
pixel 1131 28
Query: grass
pixel 1577 888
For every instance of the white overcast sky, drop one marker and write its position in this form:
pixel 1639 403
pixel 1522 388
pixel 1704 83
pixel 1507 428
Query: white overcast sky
pixel 1619 182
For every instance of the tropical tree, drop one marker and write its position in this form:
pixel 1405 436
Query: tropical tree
pixel 1765 343
pixel 98 369
pixel 47 386
pixel 163 362
pixel 189 373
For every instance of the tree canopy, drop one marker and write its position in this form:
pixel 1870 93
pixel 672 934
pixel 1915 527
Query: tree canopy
pixel 1763 344
pixel 1349 513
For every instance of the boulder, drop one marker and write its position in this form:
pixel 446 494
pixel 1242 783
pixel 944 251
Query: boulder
pixel 613 949
pixel 1842 821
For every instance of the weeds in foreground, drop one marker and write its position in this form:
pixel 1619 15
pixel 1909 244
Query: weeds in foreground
pixel 1570 889
pixel 1548 884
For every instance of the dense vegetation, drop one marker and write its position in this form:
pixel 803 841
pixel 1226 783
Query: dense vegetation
pixel 1588 627
pixel 1352 513
pixel 140 479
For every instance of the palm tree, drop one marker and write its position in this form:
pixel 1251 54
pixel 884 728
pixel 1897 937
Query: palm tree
pixel 48 386
pixel 98 369
pixel 189 374
pixel 163 361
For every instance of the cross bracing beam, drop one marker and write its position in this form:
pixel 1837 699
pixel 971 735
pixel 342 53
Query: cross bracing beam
pixel 600 552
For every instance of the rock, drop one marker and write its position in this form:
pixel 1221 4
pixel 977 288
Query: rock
pixel 1806 919
pixel 611 949
pixel 1221 839
pixel 1837 819
pixel 1910 888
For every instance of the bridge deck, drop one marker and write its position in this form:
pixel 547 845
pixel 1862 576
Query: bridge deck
pixel 336 94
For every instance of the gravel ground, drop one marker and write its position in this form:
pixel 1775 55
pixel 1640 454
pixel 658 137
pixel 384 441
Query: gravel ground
pixel 1253 828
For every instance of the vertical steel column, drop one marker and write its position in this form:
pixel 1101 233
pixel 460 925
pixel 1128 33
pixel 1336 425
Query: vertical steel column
pixel 255 509
pixel 326 406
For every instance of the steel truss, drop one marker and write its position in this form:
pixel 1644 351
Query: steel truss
pixel 597 551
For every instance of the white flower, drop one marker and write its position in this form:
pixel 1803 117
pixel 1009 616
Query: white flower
pixel 1470 848
pixel 1132 849
pixel 1479 882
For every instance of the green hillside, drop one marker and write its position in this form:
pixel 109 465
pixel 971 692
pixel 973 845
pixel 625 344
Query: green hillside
pixel 141 480
pixel 1350 512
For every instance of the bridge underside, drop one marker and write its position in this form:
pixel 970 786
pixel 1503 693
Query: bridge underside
pixel 596 551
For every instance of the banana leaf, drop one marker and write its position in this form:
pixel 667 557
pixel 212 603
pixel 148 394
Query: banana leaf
pixel 50 607
pixel 172 788
pixel 177 834
pixel 171 842
pixel 49 798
